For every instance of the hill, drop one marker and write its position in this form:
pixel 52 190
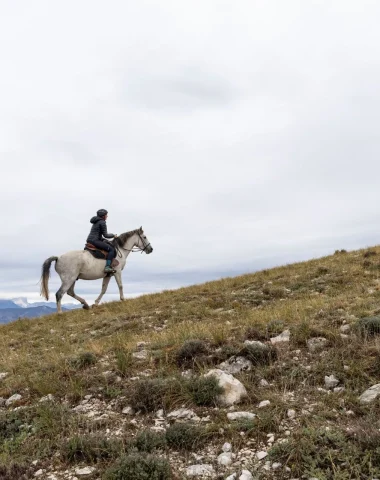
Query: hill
pixel 119 392
pixel 20 308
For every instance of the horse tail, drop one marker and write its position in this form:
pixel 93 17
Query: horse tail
pixel 45 276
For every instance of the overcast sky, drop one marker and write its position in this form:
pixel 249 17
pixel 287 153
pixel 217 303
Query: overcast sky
pixel 239 134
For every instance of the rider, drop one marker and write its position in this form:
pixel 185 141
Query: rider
pixel 98 231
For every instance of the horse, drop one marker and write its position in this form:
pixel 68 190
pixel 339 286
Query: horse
pixel 81 265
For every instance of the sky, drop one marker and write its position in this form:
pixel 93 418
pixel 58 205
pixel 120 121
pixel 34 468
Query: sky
pixel 239 134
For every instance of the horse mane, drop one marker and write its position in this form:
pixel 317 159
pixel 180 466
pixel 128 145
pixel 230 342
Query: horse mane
pixel 123 237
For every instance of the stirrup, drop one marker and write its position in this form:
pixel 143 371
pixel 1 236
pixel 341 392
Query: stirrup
pixel 109 269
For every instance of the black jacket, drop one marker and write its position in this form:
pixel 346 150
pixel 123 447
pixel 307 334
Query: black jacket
pixel 98 230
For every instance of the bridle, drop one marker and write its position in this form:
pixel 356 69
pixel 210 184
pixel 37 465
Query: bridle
pixel 136 248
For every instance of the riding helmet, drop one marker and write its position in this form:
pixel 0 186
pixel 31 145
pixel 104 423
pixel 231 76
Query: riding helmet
pixel 102 212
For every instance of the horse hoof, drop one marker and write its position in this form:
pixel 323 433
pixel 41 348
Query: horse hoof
pixel 95 305
pixel 86 307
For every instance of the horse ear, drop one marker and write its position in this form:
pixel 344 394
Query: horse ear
pixel 141 229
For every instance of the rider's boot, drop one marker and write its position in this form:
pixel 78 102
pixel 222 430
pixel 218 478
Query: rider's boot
pixel 108 268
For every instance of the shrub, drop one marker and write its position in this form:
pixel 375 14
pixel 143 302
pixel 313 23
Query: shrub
pixel 191 349
pixel 151 394
pixel 204 390
pixel 147 441
pixel 90 449
pixel 83 360
pixel 182 436
pixel 259 354
pixel 368 326
pixel 369 253
pixel 123 360
pixel 139 467
pixel 16 471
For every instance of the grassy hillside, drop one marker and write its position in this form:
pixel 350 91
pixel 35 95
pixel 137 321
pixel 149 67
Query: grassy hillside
pixel 94 364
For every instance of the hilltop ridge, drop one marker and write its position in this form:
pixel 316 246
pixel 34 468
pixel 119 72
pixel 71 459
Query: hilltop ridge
pixel 119 391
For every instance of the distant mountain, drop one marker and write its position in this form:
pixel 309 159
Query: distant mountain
pixel 7 304
pixel 9 314
pixel 22 302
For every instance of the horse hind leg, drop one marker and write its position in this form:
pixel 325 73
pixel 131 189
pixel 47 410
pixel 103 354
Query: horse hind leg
pixel 71 292
pixel 60 293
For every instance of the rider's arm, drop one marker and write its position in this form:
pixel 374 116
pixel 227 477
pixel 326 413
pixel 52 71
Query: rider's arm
pixel 103 228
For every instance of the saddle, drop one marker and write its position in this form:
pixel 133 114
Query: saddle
pixel 100 254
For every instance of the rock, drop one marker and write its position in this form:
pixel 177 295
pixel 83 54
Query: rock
pixel 263 383
pixel 246 475
pixel 236 365
pixel 283 337
pixel 3 375
pixel 128 411
pixel 234 391
pixel 316 343
pixel 204 470
pixel 14 398
pixel 47 398
pixel 370 394
pixel 142 355
pixel 261 455
pixel 188 374
pixel 227 447
pixel 345 328
pixel 338 389
pixel 264 403
pixel 291 413
pixel 225 459
pixel 276 465
pixel 239 415
pixel 160 413
pixel 183 414
pixel 39 472
pixel 256 343
pixel 85 471
pixel 331 381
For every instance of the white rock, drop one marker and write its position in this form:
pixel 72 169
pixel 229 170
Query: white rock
pixel 39 472
pixel 276 465
pixel 263 383
pixel 264 403
pixel 283 337
pixel 160 413
pixel 261 455
pixel 85 471
pixel 246 475
pixel 236 365
pixel 183 414
pixel 14 398
pixel 331 381
pixel 227 447
pixel 128 411
pixel 52 477
pixel 256 343
pixel 204 470
pixel 47 398
pixel 142 355
pixel 234 391
pixel 316 343
pixel 225 459
pixel 370 394
pixel 291 413
pixel 240 415
pixel 3 375
pixel 345 328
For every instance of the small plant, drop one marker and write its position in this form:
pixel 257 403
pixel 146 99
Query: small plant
pixel 274 327
pixel 83 360
pixel 90 449
pixel 183 436
pixel 254 333
pixel 369 253
pixel 123 361
pixel 147 441
pixel 274 292
pixel 338 252
pixel 151 394
pixel 322 270
pixel 259 354
pixel 189 351
pixel 368 326
pixel 204 390
pixel 140 467
pixel 16 471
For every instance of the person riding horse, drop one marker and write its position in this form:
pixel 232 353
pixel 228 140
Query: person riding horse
pixel 98 233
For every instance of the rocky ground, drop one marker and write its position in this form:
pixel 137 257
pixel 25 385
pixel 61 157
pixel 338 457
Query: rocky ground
pixel 273 375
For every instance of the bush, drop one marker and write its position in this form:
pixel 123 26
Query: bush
pixel 369 253
pixel 83 360
pixel 90 449
pixel 139 467
pixel 259 355
pixel 204 390
pixel 151 394
pixel 191 349
pixel 368 326
pixel 147 441
pixel 123 360
pixel 16 471
pixel 183 436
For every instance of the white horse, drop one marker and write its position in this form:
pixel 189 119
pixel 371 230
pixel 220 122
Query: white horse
pixel 81 265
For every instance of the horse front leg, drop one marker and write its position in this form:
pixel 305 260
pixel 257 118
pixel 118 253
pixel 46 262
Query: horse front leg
pixel 119 284
pixel 106 281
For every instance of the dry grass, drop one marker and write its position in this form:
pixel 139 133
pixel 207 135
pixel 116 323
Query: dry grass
pixel 67 355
